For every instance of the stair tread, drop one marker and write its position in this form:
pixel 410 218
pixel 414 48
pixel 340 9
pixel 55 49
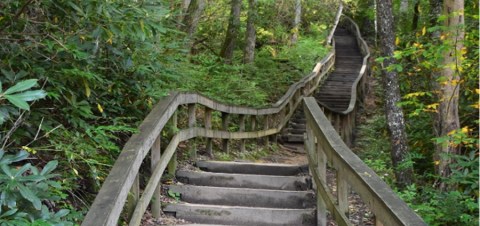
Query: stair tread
pixel 252 168
pixel 244 196
pixel 203 178
pixel 235 215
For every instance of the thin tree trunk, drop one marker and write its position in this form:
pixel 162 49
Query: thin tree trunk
pixel 232 31
pixel 181 16
pixel 395 118
pixel 435 12
pixel 296 21
pixel 190 21
pixel 250 37
pixel 403 6
pixel 416 15
pixel 449 84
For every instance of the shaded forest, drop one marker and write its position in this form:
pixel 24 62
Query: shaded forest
pixel 77 78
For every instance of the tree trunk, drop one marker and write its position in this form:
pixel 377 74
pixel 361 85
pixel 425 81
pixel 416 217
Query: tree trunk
pixel 395 119
pixel 190 21
pixel 416 15
pixel 435 12
pixel 181 15
pixel 232 31
pixel 449 84
pixel 250 37
pixel 403 6
pixel 296 21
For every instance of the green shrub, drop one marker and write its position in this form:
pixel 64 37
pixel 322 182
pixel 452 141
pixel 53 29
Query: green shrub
pixel 24 191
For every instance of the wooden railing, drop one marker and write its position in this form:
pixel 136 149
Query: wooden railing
pixel 325 147
pixel 123 180
pixel 344 121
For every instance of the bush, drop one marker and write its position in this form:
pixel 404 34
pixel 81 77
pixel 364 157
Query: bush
pixel 25 190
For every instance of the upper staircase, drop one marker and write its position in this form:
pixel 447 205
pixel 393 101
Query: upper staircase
pixel 336 92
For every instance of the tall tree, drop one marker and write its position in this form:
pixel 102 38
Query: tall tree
pixel 184 8
pixel 194 12
pixel 250 37
pixel 449 78
pixel 296 21
pixel 232 31
pixel 435 12
pixel 395 118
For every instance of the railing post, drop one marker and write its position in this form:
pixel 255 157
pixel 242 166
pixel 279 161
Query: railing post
pixel 192 120
pixel 208 125
pixel 378 222
pixel 172 165
pixel 225 122
pixel 265 127
pixel 242 129
pixel 322 173
pixel 253 124
pixel 155 158
pixel 133 197
pixel 342 191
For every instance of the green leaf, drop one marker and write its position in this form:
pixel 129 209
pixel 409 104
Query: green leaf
pixel 61 213
pixel 18 102
pixel 49 167
pixel 9 213
pixel 30 95
pixel 21 86
pixel 2 152
pixel 30 196
pixel 23 169
pixel 20 156
pixel 6 170
pixel 9 158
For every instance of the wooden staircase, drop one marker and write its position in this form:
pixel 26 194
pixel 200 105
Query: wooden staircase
pixel 232 193
pixel 335 93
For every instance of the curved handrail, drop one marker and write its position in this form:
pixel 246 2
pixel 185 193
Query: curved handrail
pixel 325 147
pixel 335 23
pixel 366 54
pixel 111 198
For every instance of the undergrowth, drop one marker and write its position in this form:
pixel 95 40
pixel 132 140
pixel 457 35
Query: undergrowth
pixel 453 207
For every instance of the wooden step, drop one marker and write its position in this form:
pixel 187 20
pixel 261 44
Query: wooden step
pixel 276 169
pixel 244 197
pixel 300 183
pixel 238 215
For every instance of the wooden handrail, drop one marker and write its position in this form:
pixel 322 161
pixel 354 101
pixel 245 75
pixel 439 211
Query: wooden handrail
pixel 345 120
pixel 324 146
pixel 109 203
pixel 335 23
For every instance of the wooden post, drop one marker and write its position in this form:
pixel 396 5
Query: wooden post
pixel 172 165
pixel 253 123
pixel 133 197
pixel 225 127
pixel 378 222
pixel 265 127
pixel 242 129
pixel 208 125
pixel 155 158
pixel 322 173
pixel 342 191
pixel 338 125
pixel 192 120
